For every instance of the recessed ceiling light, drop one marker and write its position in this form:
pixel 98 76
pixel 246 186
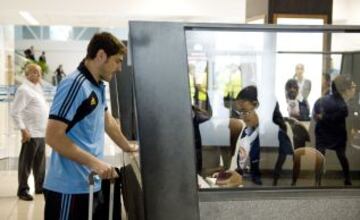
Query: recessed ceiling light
pixel 29 18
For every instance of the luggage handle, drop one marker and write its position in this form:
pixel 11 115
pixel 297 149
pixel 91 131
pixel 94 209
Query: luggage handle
pixel 93 174
pixel 111 196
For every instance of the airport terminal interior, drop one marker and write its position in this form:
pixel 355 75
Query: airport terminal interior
pixel 241 109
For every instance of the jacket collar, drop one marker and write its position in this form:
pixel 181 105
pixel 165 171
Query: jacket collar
pixel 85 71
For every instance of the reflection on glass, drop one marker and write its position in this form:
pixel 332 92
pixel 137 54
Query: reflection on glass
pixel 305 68
pixel 297 104
pixel 257 97
pixel 248 143
pixel 330 114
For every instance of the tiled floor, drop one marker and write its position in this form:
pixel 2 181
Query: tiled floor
pixel 13 208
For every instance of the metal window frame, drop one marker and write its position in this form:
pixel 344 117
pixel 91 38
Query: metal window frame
pixel 165 132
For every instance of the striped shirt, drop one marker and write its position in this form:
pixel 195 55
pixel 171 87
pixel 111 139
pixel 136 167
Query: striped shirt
pixel 80 103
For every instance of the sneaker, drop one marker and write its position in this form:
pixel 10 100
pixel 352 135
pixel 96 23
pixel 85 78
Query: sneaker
pixel 25 197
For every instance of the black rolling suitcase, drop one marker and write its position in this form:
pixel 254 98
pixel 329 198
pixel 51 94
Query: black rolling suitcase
pixel 109 206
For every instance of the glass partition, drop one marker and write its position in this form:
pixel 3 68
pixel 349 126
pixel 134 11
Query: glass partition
pixel 265 113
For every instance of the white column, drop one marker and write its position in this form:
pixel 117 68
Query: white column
pixel 7 42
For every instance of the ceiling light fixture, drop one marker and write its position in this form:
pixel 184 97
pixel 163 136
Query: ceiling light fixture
pixel 29 18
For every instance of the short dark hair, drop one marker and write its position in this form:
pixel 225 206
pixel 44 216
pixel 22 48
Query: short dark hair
pixel 248 93
pixel 340 84
pixel 107 42
pixel 291 83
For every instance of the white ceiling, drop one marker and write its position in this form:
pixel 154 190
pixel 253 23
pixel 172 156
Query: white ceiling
pixel 115 13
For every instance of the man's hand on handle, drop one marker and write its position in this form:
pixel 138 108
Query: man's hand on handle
pixel 133 148
pixel 104 170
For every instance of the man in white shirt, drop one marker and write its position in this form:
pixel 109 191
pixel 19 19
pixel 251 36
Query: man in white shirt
pixel 29 112
pixel 304 84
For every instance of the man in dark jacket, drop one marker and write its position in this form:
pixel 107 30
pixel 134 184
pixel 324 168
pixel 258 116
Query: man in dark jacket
pixel 330 114
pixel 296 108
pixel 200 116
pixel 286 146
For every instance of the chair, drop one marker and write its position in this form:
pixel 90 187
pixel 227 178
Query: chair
pixel 310 153
pixel 355 141
pixel 297 132
pixel 236 127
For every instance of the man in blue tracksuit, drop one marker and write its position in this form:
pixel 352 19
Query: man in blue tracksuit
pixel 75 131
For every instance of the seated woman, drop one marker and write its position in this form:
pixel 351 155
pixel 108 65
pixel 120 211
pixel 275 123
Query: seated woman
pixel 292 135
pixel 248 142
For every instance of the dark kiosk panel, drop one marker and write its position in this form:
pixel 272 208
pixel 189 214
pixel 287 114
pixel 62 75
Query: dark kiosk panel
pixel 164 120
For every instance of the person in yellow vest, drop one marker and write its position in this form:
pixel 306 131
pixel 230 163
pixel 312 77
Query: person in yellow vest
pixel 232 88
pixel 198 90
